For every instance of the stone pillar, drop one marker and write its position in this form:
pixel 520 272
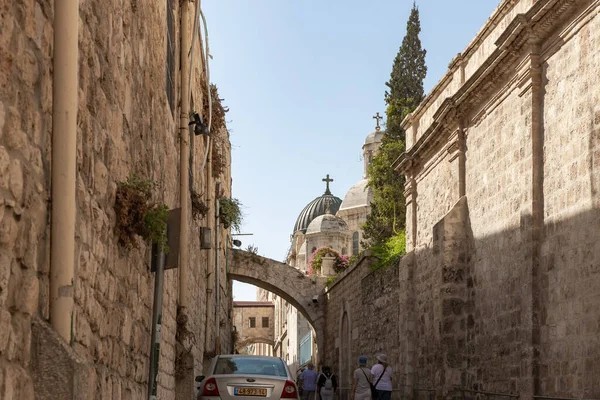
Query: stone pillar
pixel 407 323
pixel 537 206
pixel 452 244
pixel 327 266
pixel 410 194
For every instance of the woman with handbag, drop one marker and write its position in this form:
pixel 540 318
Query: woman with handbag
pixel 362 381
pixel 382 375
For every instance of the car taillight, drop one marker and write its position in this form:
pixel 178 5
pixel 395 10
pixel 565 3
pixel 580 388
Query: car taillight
pixel 210 388
pixel 289 390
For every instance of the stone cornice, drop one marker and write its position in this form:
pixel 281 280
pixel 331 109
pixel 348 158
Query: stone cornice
pixel 500 11
pixel 531 26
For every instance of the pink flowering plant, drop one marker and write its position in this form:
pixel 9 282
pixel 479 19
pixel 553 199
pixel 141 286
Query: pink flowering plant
pixel 315 261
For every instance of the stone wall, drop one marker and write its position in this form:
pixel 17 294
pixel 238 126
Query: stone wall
pixel 499 290
pixel 242 312
pixel 125 125
pixel 361 319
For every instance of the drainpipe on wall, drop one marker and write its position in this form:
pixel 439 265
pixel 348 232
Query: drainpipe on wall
pixel 64 151
pixel 210 255
pixel 184 158
pixel 217 269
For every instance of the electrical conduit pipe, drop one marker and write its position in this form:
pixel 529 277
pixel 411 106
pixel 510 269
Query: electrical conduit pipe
pixel 64 147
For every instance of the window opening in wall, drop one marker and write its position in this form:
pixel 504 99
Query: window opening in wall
pixel 355 243
pixel 265 322
pixel 170 81
pixel 252 322
pixel 313 250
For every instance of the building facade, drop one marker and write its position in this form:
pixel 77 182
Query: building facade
pixel 91 94
pixel 500 286
pixel 327 221
pixel 254 326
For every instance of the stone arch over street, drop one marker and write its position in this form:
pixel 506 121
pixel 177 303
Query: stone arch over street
pixel 303 292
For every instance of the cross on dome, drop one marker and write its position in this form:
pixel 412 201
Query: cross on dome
pixel 377 117
pixel 327 180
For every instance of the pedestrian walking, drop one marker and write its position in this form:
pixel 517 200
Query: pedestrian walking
pixel 308 379
pixel 382 376
pixel 327 384
pixel 361 381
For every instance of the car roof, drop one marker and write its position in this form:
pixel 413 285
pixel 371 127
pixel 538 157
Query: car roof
pixel 247 356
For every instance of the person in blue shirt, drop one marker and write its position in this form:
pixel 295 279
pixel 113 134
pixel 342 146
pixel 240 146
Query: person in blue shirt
pixel 308 378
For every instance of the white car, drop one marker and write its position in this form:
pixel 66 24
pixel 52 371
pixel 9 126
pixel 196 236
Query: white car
pixel 240 376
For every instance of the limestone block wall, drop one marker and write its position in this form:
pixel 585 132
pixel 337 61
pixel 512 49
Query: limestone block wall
pixel 125 125
pixel 499 179
pixel 25 136
pixel 570 359
pixel 499 290
pixel 361 319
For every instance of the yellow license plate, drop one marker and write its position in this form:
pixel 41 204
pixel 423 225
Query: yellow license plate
pixel 250 392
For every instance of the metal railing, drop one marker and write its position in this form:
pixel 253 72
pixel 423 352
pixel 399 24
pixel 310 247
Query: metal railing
pixel 456 393
pixel 478 394
pixel 560 398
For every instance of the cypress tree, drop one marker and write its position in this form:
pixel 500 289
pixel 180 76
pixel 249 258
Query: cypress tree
pixel 405 92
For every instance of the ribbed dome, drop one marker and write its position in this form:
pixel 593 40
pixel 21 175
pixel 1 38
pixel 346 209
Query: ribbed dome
pixel 327 223
pixel 314 209
pixel 359 195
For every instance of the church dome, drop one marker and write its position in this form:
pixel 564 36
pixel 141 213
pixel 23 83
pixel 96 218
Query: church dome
pixel 316 208
pixel 359 195
pixel 374 137
pixel 327 223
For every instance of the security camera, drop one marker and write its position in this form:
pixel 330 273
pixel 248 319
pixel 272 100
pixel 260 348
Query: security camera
pixel 237 243
pixel 315 299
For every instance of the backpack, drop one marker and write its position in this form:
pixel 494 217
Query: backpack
pixel 328 383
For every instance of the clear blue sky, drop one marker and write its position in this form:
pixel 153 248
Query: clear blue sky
pixel 302 80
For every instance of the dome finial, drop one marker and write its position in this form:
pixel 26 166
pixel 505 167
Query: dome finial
pixel 327 180
pixel 377 117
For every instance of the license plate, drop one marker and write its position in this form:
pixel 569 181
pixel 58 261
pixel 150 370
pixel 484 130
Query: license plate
pixel 250 392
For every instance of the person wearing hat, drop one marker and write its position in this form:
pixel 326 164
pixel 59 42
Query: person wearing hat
pixel 361 381
pixel 308 377
pixel 382 376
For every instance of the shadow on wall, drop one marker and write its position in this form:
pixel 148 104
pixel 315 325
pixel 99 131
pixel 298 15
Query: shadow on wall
pixel 594 157
pixel 467 309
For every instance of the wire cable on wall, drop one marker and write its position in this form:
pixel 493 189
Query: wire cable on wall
pixel 205 50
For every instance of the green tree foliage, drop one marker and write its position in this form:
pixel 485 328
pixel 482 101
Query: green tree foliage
pixel 405 86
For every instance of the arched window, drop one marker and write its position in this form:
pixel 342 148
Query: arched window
pixel 355 243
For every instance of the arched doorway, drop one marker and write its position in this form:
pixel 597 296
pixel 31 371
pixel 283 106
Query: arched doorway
pixel 345 353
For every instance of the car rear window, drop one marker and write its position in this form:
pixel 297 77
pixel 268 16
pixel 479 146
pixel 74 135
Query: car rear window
pixel 250 366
